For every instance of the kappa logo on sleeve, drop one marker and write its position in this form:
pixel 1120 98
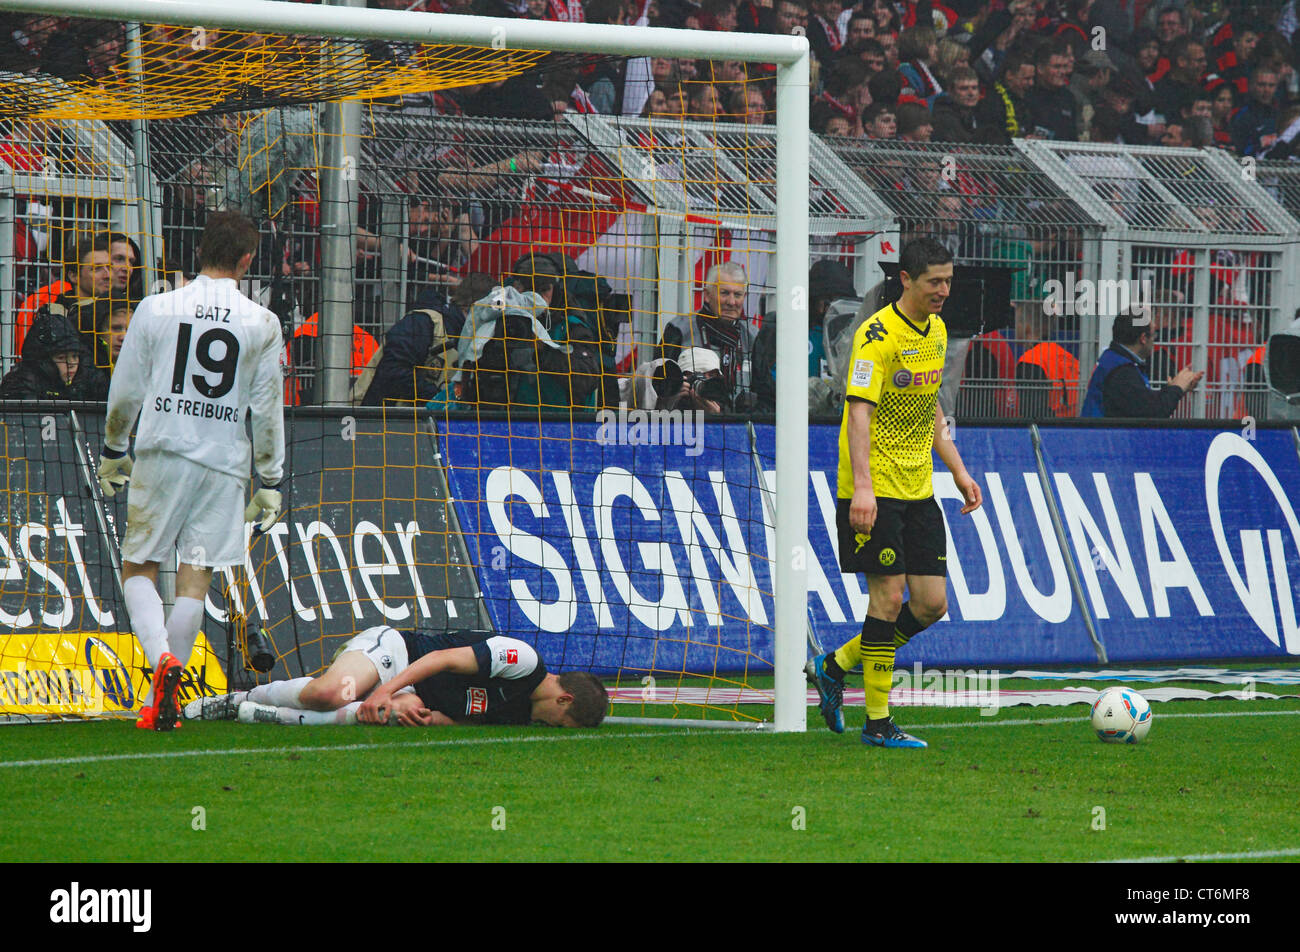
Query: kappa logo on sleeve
pixel 862 370
pixel 476 701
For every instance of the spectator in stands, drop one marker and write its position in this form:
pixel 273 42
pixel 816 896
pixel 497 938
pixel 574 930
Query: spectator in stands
pixel 418 357
pixel 789 16
pixel 656 103
pixel 1274 52
pixel 1120 383
pixel 1091 79
pixel 112 318
pixel 846 89
pixel 914 123
pixel 1054 114
pixel 585 311
pixel 889 43
pixel 86 50
pixel 1171 23
pixel 705 104
pixel 824 30
pixel 509 355
pixel 605 79
pixel 1198 106
pixel 749 106
pixel 954 112
pixel 441 239
pixel 918 51
pixel 1231 62
pixel 1105 127
pixel 1047 375
pixel 887 19
pixel 1199 132
pixel 886 87
pixel 825 120
pixel 1170 332
pixel 861 28
pixel 1222 106
pixel 720 326
pixel 1182 83
pixel 124 258
pixel 1254 126
pixel 51 361
pixel 1004 113
pixel 1115 114
pixel 675 98
pixel 1001 32
pixel 828 281
pixel 23 39
pixel 873 54
pixel 1175 136
pixel 88 275
pixel 879 121
pixel 952 56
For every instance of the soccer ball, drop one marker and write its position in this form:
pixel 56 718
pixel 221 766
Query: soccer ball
pixel 1121 716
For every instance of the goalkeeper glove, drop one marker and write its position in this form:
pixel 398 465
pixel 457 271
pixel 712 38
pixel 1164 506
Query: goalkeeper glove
pixel 264 509
pixel 114 471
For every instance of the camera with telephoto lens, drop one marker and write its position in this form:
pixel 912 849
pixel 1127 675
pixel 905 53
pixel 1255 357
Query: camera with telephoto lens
pixel 709 386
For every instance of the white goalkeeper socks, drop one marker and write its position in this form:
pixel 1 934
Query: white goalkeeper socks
pixel 280 693
pixel 144 605
pixel 183 627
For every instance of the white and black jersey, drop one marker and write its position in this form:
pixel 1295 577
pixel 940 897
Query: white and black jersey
pixel 195 364
pixel 509 670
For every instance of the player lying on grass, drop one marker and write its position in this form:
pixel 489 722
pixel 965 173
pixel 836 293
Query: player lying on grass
pixel 453 679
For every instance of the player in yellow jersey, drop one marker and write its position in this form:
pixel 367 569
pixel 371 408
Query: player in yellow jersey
pixel 890 527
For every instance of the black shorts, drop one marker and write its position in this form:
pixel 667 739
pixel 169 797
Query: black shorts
pixel 908 538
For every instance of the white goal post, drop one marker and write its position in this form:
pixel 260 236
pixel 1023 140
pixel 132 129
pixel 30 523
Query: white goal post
pixel 791 56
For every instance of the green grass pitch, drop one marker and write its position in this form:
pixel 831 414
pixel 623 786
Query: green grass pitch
pixel 988 789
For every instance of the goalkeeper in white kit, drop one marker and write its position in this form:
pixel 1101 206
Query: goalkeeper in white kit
pixel 196 363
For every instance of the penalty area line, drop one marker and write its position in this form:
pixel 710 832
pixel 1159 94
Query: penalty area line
pixel 328 748
pixel 550 738
pixel 1025 722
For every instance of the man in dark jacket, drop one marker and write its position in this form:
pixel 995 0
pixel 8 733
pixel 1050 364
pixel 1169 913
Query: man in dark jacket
pixel 1003 114
pixel 954 112
pixel 1254 126
pixel 1054 112
pixel 828 281
pixel 720 326
pixel 415 348
pixel 50 363
pixel 1120 384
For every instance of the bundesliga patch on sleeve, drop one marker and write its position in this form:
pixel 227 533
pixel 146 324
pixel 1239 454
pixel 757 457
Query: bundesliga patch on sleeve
pixel 862 369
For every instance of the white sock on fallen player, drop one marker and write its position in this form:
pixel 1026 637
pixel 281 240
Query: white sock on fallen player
pixel 144 605
pixel 347 714
pixel 280 693
pixel 183 627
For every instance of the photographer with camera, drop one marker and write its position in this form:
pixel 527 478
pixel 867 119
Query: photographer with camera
pixel 720 327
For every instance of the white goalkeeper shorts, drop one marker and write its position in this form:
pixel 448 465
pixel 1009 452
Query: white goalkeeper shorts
pixel 383 647
pixel 178 508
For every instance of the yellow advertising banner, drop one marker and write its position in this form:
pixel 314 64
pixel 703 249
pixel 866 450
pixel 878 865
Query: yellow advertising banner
pixel 84 674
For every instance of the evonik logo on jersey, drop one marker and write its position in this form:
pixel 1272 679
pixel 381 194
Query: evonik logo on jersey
pixel 907 378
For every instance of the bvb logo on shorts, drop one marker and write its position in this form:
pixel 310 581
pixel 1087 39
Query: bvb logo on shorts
pixel 887 556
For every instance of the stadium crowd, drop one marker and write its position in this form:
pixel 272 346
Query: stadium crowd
pixel 982 72
pixel 1166 72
